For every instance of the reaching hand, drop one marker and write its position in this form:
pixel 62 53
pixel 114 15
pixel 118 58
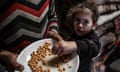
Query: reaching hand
pixel 11 60
pixel 62 47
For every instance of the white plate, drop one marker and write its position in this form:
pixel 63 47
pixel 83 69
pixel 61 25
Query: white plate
pixel 25 56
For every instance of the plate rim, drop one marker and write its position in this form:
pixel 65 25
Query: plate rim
pixel 22 52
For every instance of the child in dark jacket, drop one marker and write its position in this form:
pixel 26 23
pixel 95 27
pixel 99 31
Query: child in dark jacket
pixel 83 39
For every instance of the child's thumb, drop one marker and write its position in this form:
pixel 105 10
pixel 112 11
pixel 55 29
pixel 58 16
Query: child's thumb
pixel 19 67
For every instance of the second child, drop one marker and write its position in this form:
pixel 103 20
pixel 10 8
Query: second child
pixel 83 40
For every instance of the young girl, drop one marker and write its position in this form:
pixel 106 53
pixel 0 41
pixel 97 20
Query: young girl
pixel 83 39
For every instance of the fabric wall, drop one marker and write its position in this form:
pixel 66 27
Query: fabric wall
pixel 18 12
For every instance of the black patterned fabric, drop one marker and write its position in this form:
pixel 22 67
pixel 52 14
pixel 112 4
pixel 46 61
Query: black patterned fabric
pixel 25 21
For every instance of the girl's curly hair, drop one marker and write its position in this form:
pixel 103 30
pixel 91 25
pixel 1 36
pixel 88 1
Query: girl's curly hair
pixel 90 7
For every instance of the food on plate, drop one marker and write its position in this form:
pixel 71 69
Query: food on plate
pixel 39 63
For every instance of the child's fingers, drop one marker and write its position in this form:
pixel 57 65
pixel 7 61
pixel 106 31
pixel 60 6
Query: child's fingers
pixel 55 35
pixel 59 51
pixel 19 67
pixel 55 49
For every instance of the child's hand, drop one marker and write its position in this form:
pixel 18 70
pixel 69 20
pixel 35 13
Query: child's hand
pixel 11 60
pixel 64 47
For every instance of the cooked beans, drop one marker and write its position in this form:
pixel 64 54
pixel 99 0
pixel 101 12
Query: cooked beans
pixel 37 60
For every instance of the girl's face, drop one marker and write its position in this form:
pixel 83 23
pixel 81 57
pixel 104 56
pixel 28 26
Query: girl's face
pixel 82 23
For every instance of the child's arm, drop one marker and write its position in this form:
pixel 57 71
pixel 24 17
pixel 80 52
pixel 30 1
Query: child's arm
pixel 65 47
pixel 11 60
pixel 52 18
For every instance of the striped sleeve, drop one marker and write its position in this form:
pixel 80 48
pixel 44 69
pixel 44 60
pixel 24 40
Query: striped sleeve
pixel 53 21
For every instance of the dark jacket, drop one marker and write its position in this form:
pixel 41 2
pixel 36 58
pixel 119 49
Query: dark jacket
pixel 88 47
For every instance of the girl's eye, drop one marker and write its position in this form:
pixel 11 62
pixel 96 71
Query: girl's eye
pixel 82 21
pixel 85 21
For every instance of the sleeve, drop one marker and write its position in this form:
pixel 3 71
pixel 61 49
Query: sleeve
pixel 88 47
pixel 53 20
